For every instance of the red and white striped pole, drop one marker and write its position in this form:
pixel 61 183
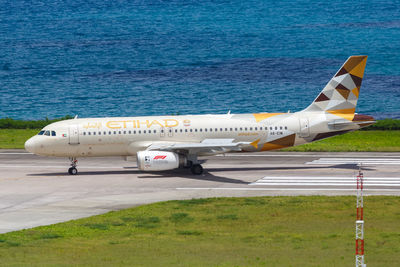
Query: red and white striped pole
pixel 360 221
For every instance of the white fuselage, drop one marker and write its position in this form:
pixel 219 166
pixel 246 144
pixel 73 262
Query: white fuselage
pixel 125 136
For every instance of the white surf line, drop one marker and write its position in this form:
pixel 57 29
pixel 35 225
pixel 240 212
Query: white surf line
pixel 282 189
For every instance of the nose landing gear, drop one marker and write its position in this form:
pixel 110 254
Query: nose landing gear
pixel 73 170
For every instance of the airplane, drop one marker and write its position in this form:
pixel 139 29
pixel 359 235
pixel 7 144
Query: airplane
pixel 169 142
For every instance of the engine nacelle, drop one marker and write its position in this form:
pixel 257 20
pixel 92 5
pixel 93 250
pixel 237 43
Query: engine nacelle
pixel 158 160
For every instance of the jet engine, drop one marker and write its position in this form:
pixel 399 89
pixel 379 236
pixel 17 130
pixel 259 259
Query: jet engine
pixel 159 160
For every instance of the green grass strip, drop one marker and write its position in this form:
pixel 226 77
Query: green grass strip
pixel 261 231
pixel 358 141
pixel 15 138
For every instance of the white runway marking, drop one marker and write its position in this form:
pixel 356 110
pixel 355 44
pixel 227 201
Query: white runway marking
pixel 15 153
pixel 278 189
pixel 328 182
pixel 58 166
pixel 297 155
pixel 363 161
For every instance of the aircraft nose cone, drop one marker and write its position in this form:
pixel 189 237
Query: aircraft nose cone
pixel 30 145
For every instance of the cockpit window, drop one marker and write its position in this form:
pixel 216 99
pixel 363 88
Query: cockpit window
pixel 53 133
pixel 47 133
pixel 41 133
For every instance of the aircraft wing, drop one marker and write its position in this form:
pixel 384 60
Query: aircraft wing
pixel 206 146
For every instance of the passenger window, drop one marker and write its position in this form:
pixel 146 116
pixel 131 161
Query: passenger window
pixel 205 129
pixel 236 129
pixel 245 128
pixel 144 131
pixel 231 129
pixel 256 128
pixel 129 132
pixel 139 132
pixel 84 133
pixel 162 131
pixel 185 130
pixel 154 131
pixel 119 132
pixel 94 133
pixel 124 132
pixel 176 130
pixel 115 132
pixel 210 129
pixel 89 133
pixel 251 129
pixel 191 130
pixel 99 133
pixel 226 129
pixel 201 129
pixel 285 127
pixel 53 133
pixel 195 130
pixel 266 128
pixel 276 128
pixel 41 133
pixel 281 128
pixel 241 128
pixel 270 128
pixel 181 130
pixel 216 129
pixel 134 132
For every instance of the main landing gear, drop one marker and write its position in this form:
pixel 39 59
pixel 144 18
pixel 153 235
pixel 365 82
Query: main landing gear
pixel 194 165
pixel 196 169
pixel 73 170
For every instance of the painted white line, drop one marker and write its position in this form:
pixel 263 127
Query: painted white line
pixel 326 178
pixel 16 153
pixel 57 167
pixel 280 189
pixel 349 162
pixel 326 184
pixel 355 159
pixel 327 181
pixel 295 155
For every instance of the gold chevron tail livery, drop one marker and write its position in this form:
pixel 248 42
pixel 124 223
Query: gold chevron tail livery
pixel 169 142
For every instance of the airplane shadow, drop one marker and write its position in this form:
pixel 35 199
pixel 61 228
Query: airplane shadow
pixel 206 176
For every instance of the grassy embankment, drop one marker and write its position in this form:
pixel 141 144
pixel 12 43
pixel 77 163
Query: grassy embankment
pixel 384 136
pixel 263 231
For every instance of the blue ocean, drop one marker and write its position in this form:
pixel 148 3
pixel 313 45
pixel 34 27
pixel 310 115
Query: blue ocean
pixel 129 58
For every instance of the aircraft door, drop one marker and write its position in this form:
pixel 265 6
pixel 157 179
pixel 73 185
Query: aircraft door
pixel 73 134
pixel 304 127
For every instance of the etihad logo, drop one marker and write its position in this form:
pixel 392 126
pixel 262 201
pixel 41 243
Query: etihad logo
pixel 159 157
pixel 92 125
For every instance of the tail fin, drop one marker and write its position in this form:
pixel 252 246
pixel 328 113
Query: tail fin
pixel 340 95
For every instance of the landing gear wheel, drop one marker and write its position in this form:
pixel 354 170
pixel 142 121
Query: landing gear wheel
pixel 197 169
pixel 73 171
pixel 189 164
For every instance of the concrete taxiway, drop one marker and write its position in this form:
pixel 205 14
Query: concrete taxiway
pixel 37 190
